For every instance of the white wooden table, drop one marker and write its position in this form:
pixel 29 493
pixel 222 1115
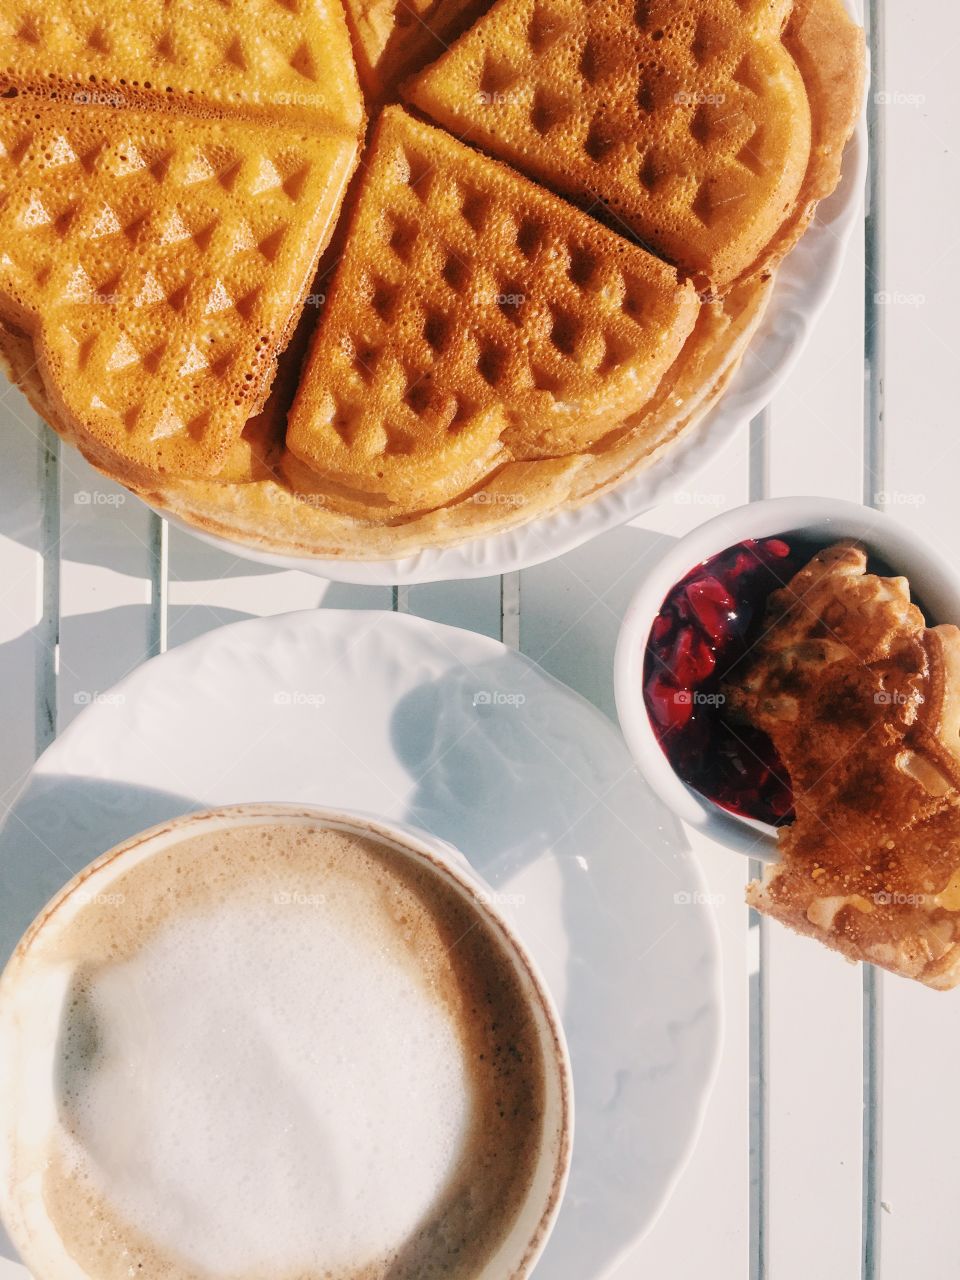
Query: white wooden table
pixel 831 1147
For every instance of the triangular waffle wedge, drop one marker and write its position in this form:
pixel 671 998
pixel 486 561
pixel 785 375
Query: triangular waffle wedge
pixel 393 38
pixel 686 122
pixel 474 320
pixel 278 58
pixel 862 701
pixel 159 264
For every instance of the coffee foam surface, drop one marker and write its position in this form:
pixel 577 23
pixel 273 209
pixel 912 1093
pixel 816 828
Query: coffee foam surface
pixel 285 1052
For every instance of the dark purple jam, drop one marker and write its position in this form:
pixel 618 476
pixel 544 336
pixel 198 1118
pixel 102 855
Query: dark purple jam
pixel 706 626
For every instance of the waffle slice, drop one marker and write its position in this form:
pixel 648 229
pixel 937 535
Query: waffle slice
pixel 158 264
pixel 687 121
pixel 279 58
pixel 393 38
pixel 474 320
pixel 862 701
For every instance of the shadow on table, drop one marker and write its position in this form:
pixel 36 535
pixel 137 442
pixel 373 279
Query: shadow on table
pixel 615 917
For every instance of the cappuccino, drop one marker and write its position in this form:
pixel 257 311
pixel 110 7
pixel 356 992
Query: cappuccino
pixel 282 1051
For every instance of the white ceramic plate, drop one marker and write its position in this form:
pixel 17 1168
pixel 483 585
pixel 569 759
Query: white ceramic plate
pixel 456 734
pixel 804 284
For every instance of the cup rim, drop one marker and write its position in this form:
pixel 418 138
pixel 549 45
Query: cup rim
pixel 932 579
pixel 443 859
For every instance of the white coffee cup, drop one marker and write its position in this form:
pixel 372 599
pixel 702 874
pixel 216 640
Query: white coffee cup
pixel 32 1002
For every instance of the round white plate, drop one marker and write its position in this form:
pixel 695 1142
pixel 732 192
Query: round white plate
pixel 804 283
pixel 456 734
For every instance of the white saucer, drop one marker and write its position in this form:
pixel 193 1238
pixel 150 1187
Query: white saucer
pixel 454 733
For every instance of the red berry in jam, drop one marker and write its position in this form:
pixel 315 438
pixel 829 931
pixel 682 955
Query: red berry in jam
pixel 707 623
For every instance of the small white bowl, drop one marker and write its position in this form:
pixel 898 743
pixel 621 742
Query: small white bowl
pixel 934 583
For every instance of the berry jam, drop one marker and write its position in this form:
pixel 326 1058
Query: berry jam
pixel 706 625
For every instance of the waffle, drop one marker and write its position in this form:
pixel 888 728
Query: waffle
pixel 159 263
pixel 862 701
pixel 273 58
pixel 706 128
pixel 474 321
pixel 485 354
pixel 393 38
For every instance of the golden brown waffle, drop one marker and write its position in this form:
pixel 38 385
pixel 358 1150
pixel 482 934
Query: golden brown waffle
pixel 536 405
pixel 698 125
pixel 274 516
pixel 277 58
pixel 159 262
pixel 393 38
pixel 475 320
pixel 862 701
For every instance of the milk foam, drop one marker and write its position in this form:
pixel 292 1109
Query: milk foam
pixel 250 1126
pixel 281 1051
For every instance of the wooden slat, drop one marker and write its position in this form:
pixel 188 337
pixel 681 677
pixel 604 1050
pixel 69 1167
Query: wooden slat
pixel 209 587
pixel 812 1072
pixel 920 1159
pixel 107 553
pixel 28 642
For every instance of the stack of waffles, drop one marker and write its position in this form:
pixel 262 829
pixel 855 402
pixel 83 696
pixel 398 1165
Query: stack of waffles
pixel 490 320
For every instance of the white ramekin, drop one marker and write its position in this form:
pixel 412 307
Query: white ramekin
pixel 934 584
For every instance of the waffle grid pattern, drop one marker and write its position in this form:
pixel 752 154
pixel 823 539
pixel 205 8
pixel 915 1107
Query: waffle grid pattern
pixel 165 263
pixel 472 311
pixel 688 124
